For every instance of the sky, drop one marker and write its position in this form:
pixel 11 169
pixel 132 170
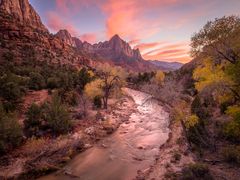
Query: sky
pixel 161 29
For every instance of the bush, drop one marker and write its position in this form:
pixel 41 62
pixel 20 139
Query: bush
pixel 231 154
pixel 37 81
pixel 33 120
pixel 57 116
pixel 10 131
pixel 71 98
pixel 232 129
pixel 53 82
pixel 84 77
pixel 11 91
pixel 97 101
pixel 196 171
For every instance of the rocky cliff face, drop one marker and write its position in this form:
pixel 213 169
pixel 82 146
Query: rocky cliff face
pixel 66 37
pixel 117 50
pixel 22 11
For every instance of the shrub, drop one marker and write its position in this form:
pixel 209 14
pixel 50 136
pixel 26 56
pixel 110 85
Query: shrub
pixel 37 81
pixel 10 131
pixel 192 121
pixel 33 120
pixel 196 171
pixel 232 129
pixel 71 98
pixel 57 116
pixel 84 77
pixel 53 83
pixel 97 101
pixel 231 154
pixel 177 156
pixel 11 91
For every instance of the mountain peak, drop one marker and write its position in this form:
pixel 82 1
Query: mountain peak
pixel 116 36
pixel 22 11
pixel 63 32
pixel 66 37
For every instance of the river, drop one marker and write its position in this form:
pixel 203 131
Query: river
pixel 134 146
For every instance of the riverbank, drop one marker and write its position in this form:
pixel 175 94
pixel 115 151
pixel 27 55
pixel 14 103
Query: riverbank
pixel 38 157
pixel 175 154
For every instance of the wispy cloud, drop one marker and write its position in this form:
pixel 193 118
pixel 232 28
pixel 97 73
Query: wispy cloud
pixel 56 23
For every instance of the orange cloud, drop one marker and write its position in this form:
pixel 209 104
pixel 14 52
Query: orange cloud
pixel 133 19
pixel 173 52
pixel 55 23
pixel 167 47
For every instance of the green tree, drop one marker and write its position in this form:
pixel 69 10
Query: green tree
pixel 219 39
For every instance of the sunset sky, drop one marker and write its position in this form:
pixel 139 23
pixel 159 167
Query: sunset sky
pixel 161 29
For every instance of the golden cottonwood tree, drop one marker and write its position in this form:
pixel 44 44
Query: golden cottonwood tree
pixel 159 77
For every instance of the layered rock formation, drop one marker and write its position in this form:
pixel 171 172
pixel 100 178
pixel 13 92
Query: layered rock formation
pixel 66 37
pixel 117 50
pixel 22 11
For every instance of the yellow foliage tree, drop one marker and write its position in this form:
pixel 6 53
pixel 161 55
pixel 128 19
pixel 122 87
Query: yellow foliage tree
pixel 209 73
pixel 94 88
pixel 159 77
pixel 113 78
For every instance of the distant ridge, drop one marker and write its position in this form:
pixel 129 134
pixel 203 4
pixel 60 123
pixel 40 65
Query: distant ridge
pixel 167 65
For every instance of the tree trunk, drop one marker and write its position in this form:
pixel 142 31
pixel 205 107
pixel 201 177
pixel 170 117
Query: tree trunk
pixel 105 102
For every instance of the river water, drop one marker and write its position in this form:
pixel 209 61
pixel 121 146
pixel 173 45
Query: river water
pixel 134 146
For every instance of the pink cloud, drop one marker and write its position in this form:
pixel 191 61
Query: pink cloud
pixel 147 46
pixel 134 42
pixel 89 37
pixel 132 19
pixel 55 23
pixel 172 52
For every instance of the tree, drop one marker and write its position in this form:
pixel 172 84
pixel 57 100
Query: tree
pixel 232 128
pixel 159 78
pixel 219 39
pixel 112 77
pixel 94 89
